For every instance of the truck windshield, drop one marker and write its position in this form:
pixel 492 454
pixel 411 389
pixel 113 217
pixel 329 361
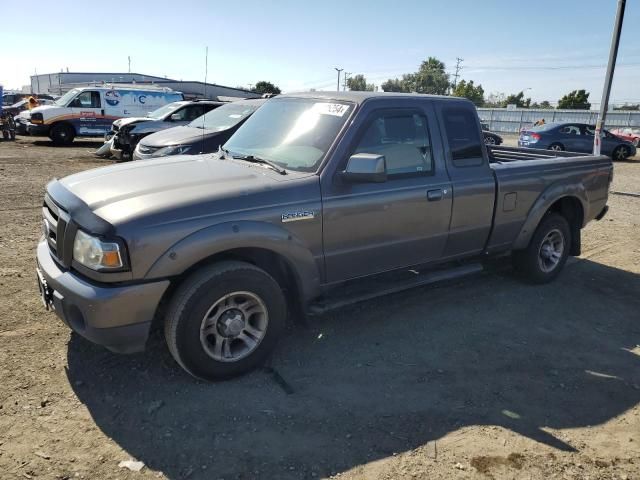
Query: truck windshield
pixel 226 116
pixel 161 112
pixel 294 133
pixel 63 100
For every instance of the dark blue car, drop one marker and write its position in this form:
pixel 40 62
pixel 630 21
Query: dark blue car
pixel 575 137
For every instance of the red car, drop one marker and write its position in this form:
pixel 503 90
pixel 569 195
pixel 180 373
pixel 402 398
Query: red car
pixel 630 134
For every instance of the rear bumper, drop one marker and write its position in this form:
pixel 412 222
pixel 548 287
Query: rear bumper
pixel 117 317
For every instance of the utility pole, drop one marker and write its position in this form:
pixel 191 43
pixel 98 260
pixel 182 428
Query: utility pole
pixel 458 68
pixel 344 82
pixel 206 70
pixel 129 59
pixel 338 70
pixel 613 55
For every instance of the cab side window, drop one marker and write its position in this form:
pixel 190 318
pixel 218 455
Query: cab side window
pixel 403 138
pixel 463 137
pixel 87 100
pixel 188 113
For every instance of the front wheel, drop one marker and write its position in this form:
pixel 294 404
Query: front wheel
pixel 543 259
pixel 224 320
pixel 62 134
pixel 620 153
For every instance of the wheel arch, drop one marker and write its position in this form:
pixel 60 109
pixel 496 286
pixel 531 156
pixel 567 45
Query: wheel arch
pixel 570 201
pixel 266 246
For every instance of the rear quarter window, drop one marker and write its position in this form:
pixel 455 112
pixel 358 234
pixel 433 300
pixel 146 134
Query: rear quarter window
pixel 463 137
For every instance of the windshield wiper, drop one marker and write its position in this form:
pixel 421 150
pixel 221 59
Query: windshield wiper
pixel 254 159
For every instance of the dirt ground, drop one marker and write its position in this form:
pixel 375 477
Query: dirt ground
pixel 484 378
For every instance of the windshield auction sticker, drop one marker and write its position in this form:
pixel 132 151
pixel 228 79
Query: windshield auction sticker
pixel 336 109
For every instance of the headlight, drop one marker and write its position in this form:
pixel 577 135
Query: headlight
pixel 95 254
pixel 172 150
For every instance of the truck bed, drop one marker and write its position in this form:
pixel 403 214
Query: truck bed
pixel 500 154
pixel 525 177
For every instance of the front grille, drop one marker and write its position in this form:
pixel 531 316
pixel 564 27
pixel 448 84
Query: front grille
pixel 54 225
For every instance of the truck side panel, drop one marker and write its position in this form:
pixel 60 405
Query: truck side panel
pixel 528 188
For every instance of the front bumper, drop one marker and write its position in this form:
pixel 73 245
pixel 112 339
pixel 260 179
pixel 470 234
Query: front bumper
pixel 117 317
pixel 38 130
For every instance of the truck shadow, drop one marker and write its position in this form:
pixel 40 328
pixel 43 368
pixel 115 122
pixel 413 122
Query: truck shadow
pixel 383 377
pixel 93 144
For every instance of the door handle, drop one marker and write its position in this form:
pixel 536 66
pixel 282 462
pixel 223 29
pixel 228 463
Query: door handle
pixel 434 195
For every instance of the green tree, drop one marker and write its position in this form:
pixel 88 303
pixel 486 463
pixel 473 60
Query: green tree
pixel 395 85
pixel 358 83
pixel 469 90
pixel 430 78
pixel 577 100
pixel 544 105
pixel 265 87
pixel 518 100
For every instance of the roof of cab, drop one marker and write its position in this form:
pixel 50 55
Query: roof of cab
pixel 360 97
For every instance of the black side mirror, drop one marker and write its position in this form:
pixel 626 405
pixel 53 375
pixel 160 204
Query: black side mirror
pixel 365 168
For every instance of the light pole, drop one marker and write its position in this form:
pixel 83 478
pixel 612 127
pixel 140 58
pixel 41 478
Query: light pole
pixel 613 54
pixel 338 70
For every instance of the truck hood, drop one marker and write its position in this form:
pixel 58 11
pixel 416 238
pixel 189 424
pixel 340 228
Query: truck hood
pixel 178 136
pixel 170 186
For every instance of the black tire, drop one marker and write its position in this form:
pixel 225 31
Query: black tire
pixel 557 147
pixel 62 134
pixel 202 291
pixel 530 262
pixel 620 153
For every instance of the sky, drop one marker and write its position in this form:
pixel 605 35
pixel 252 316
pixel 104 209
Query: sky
pixel 544 47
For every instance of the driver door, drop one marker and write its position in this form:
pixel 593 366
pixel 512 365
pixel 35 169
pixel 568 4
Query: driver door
pixel 88 114
pixel 374 227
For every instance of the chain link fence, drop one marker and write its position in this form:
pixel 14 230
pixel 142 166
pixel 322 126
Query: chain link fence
pixel 503 120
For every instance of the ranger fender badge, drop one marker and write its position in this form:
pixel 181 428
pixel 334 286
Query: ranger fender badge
pixel 295 216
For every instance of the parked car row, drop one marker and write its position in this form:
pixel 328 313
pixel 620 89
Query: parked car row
pixel 127 132
pixel 205 134
pixel 90 111
pixel 575 137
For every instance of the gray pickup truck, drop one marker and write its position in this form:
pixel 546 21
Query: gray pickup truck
pixel 319 199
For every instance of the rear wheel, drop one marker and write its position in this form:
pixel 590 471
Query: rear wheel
pixel 620 153
pixel 558 147
pixel 224 320
pixel 62 134
pixel 547 252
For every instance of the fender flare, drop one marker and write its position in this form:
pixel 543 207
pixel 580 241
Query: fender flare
pixel 227 236
pixel 548 197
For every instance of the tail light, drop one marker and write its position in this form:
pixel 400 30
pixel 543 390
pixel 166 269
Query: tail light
pixel 535 136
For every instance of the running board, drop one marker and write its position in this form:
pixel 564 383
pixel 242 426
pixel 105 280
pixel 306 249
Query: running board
pixel 362 290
